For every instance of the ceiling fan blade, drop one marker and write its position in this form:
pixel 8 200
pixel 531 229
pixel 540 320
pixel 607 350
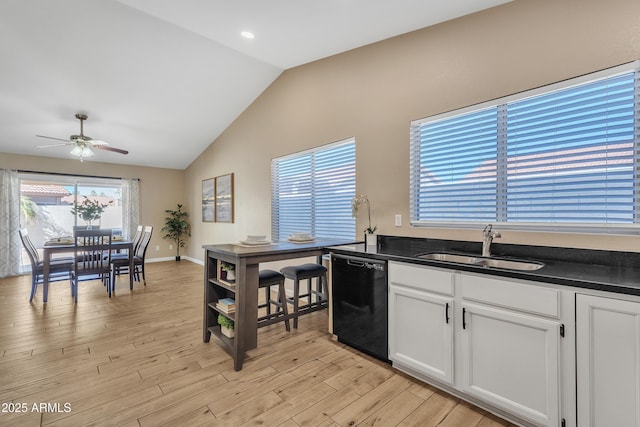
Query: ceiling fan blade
pixel 96 142
pixel 106 148
pixel 54 145
pixel 50 137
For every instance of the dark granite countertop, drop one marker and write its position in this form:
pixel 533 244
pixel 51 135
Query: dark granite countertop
pixel 610 271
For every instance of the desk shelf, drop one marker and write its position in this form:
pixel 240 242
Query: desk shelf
pixel 232 316
pixel 222 284
pixel 216 289
pixel 227 343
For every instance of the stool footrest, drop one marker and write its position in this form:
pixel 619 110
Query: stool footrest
pixel 270 319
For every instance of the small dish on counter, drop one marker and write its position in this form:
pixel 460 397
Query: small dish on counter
pixel 255 242
pixel 301 235
pixel 301 238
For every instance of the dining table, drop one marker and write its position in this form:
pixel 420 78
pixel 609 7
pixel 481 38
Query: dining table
pixel 58 246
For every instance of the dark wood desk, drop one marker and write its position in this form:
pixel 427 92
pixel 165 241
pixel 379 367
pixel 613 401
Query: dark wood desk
pixel 245 291
pixel 53 248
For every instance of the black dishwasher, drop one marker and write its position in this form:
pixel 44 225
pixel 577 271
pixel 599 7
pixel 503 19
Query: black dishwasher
pixel 359 299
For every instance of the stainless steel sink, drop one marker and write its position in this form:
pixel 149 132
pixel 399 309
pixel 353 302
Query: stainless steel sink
pixel 460 259
pixel 508 264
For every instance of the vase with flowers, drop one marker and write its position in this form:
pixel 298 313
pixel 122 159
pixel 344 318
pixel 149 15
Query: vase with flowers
pixel 89 210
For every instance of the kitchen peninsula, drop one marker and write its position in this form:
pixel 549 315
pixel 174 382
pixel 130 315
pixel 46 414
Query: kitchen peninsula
pixel 247 261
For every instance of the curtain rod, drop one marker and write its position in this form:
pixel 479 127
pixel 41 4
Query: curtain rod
pixel 72 174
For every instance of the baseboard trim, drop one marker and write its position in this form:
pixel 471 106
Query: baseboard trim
pixel 183 258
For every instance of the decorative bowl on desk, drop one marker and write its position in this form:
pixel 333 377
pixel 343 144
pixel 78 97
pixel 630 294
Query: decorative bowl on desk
pixel 301 237
pixel 255 240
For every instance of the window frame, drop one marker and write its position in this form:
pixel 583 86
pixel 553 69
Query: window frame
pixel 597 228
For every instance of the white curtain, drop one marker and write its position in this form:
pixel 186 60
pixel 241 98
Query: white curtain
pixel 130 207
pixel 9 223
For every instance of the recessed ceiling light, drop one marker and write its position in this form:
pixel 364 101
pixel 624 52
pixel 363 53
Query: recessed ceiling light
pixel 247 35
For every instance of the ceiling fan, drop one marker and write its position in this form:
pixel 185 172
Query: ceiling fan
pixel 82 144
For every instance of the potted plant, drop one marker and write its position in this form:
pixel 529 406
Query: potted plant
pixel 230 269
pixel 226 326
pixel 369 232
pixel 89 210
pixel 176 227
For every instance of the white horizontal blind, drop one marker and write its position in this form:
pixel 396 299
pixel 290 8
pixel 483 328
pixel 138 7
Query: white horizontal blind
pixel 456 168
pixel 570 154
pixel 567 156
pixel 312 192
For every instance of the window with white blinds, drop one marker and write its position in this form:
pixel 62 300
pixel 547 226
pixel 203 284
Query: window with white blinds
pixel 312 191
pixel 562 156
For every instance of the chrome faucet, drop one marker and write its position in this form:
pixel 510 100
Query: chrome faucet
pixel 487 238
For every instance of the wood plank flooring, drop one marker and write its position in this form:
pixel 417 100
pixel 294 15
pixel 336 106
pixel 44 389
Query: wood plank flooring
pixel 138 360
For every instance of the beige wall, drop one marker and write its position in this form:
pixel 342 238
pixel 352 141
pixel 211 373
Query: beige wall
pixel 160 189
pixel 372 93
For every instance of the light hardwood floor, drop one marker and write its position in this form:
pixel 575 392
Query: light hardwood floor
pixel 138 360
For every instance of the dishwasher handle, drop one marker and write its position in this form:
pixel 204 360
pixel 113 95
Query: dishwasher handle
pixel 358 262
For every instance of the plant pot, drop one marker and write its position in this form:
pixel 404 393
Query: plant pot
pixel 370 242
pixel 231 275
pixel 178 258
pixel 227 332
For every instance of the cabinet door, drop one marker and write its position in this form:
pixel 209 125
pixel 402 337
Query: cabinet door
pixel 421 332
pixel 608 361
pixel 511 360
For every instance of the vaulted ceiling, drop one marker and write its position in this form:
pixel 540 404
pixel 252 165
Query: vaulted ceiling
pixel 162 79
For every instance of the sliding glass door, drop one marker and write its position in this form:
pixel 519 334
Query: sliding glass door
pixel 47 201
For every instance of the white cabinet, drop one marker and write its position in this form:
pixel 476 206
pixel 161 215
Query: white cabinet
pixel 608 361
pixel 492 340
pixel 510 347
pixel 511 361
pixel 420 324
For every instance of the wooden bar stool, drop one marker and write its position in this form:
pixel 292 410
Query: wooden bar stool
pixel 267 279
pixel 307 272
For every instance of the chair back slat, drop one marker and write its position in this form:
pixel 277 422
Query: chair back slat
pixel 92 251
pixel 30 248
pixel 137 238
pixel 141 249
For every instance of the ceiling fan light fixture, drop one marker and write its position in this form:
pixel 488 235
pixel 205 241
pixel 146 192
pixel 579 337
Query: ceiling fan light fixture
pixel 77 151
pixel 82 152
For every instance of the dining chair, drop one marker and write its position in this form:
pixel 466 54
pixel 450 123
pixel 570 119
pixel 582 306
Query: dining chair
pixel 92 257
pixel 135 241
pixel 120 265
pixel 59 268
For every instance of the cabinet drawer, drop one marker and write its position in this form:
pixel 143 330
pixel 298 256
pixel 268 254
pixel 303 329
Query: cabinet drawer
pixel 420 277
pixel 512 294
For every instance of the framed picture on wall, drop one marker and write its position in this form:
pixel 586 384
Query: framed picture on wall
pixel 224 198
pixel 208 200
